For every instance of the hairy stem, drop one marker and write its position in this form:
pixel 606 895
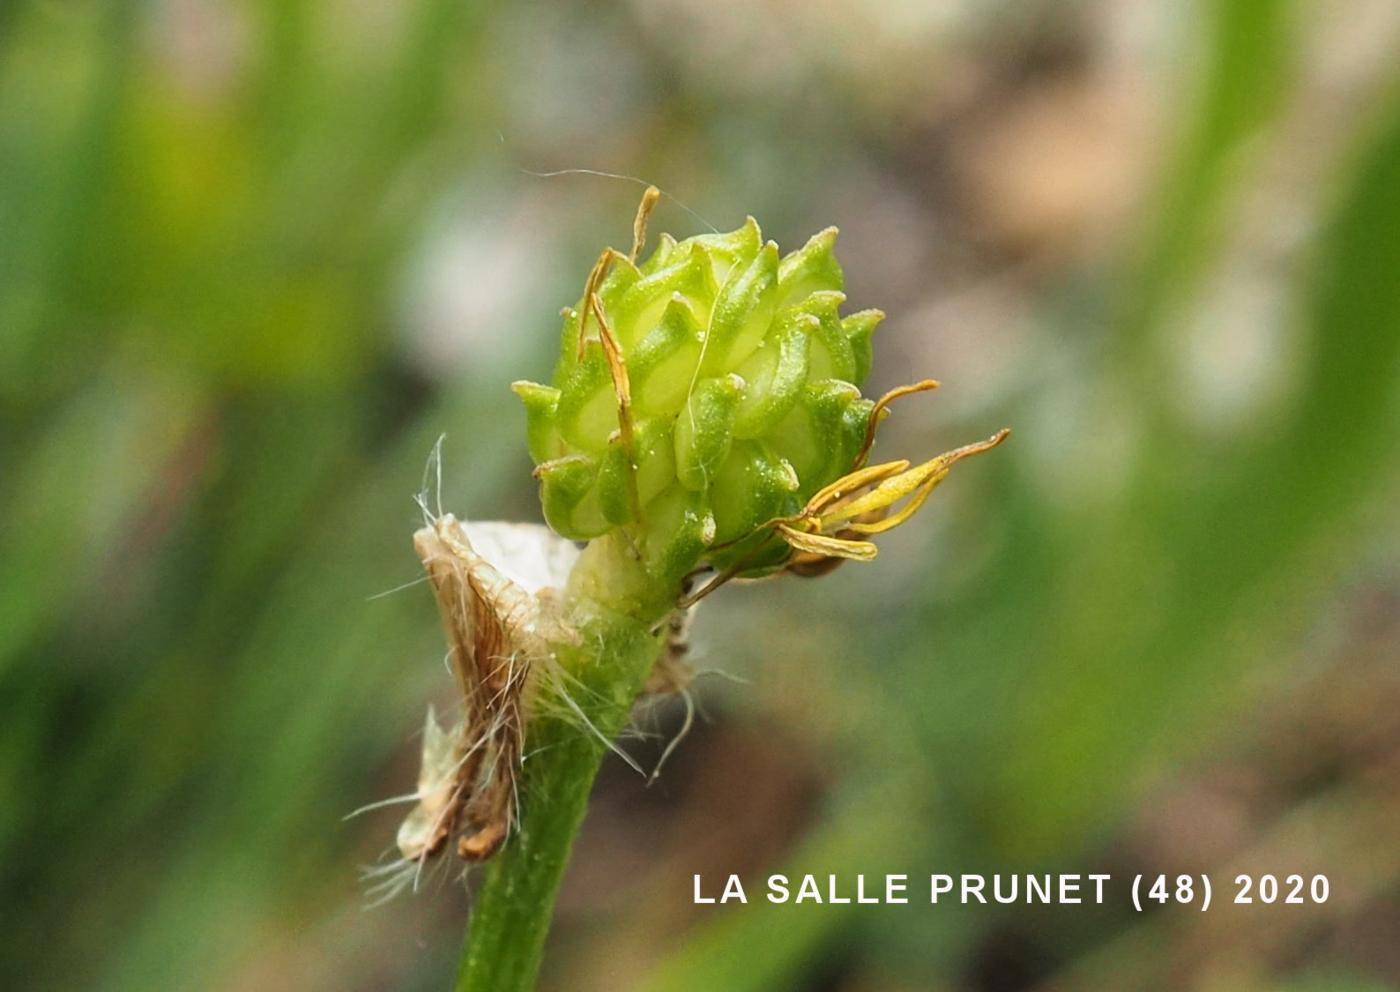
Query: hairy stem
pixel 614 611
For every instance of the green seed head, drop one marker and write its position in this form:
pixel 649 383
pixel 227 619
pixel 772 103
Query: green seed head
pixel 702 395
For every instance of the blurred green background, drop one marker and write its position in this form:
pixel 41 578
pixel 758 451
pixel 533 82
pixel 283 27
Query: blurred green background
pixel 256 257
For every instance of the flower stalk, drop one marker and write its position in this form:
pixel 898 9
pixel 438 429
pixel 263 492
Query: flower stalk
pixel 607 670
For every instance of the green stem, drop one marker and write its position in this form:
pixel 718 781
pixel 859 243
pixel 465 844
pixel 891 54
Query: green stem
pixel 608 665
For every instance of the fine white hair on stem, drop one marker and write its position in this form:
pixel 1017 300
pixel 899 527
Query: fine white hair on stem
pixel 559 684
pixel 677 737
pixel 720 673
pixel 599 173
pixel 432 470
pixel 407 797
pixel 398 588
pixel 385 882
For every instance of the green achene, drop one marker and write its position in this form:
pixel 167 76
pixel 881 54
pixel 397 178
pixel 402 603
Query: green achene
pixel 703 397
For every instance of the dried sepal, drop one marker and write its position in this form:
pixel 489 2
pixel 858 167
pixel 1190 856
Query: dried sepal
pixel 427 827
pixel 499 614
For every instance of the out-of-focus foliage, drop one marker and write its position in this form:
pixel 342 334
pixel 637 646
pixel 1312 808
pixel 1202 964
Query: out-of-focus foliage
pixel 255 257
